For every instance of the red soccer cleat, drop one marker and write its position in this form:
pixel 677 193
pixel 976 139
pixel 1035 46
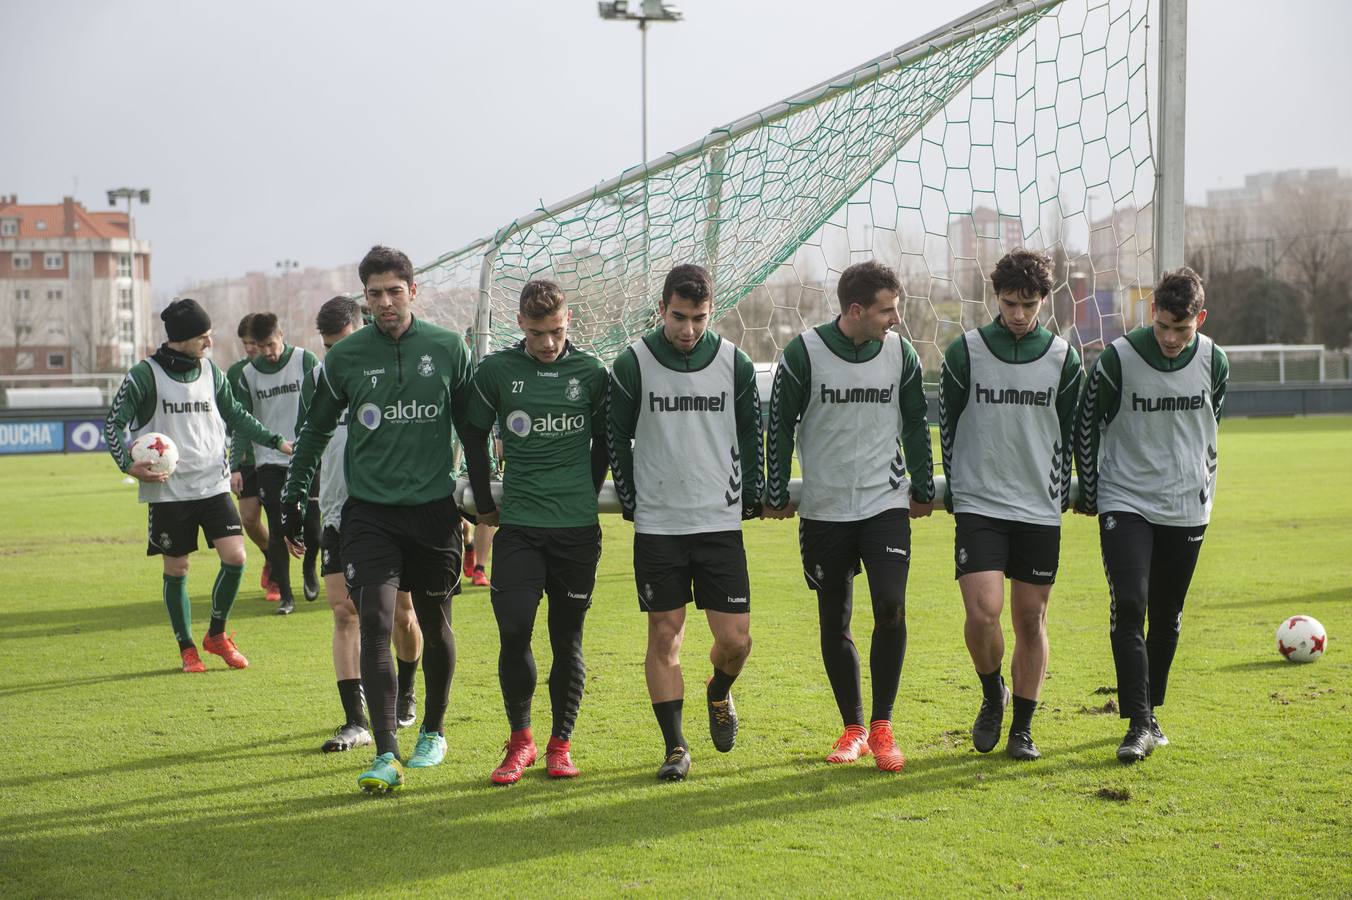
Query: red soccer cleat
pixel 558 761
pixel 191 661
pixel 469 562
pixel 265 579
pixel 850 746
pixel 884 747
pixel 480 577
pixel 520 756
pixel 274 593
pixel 224 647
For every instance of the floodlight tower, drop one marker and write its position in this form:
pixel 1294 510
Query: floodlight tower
pixel 130 194
pixel 647 11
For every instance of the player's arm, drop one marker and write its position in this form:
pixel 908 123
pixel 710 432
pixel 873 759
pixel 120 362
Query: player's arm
pixel 328 403
pixel 1067 404
pixel 133 402
pixel 954 384
pixel 600 455
pixel 1097 407
pixel 307 396
pixel 460 383
pixel 239 419
pixel 481 410
pixel 1220 378
pixel 242 397
pixel 747 409
pixel 915 433
pixel 788 400
pixel 626 386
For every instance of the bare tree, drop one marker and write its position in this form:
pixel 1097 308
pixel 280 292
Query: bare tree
pixel 1313 225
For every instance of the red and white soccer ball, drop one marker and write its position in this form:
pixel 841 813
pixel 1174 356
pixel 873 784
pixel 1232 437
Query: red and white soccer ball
pixel 1301 639
pixel 157 449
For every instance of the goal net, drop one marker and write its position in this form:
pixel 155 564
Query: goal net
pixel 1021 124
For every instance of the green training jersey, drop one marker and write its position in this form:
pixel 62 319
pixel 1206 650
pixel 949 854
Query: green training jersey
pixel 401 397
pixel 548 414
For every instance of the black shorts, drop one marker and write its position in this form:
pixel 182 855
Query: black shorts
pixel 560 562
pixel 832 551
pixel 331 552
pixel 668 566
pixel 416 548
pixel 249 476
pixel 1022 551
pixel 173 525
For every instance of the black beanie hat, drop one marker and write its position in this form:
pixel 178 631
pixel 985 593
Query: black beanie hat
pixel 184 319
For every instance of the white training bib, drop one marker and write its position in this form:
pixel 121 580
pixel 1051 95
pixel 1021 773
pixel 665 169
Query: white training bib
pixel 186 412
pixel 849 438
pixel 1157 457
pixel 1007 449
pixel 276 403
pixel 687 466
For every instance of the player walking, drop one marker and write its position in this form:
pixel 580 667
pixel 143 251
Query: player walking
pixel 852 391
pixel 243 474
pixel 1146 452
pixel 1006 415
pixel 401 383
pixel 269 387
pixel 337 319
pixel 687 400
pixel 180 393
pixel 548 400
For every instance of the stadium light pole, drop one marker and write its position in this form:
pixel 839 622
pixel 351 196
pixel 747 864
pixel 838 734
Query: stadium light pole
pixel 647 11
pixel 285 267
pixel 130 194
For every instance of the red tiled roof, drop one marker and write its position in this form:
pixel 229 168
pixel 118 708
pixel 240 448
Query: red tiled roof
pixel 89 224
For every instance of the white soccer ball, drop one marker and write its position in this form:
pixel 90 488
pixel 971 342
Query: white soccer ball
pixel 158 450
pixel 1301 639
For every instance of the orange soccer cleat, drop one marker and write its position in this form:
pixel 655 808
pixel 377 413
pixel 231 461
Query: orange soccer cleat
pixel 191 661
pixel 223 646
pixel 520 756
pixel 884 747
pixel 850 746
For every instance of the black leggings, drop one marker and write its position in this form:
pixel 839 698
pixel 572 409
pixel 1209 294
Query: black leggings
pixel 887 587
pixel 1149 568
pixel 515 612
pixel 375 606
pixel 270 481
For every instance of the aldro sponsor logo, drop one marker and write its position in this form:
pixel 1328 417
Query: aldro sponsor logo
pixel 520 423
pixel 291 387
pixel 402 413
pixel 688 403
pixel 1167 404
pixel 857 395
pixel 1010 396
pixel 187 406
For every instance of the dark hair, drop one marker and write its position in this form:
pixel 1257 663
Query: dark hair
pixel 243 330
pixel 1026 273
pixel 692 282
pixel 380 259
pixel 861 282
pixel 337 314
pixel 1180 293
pixel 263 326
pixel 541 298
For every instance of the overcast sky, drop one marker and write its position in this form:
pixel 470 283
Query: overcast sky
pixel 311 130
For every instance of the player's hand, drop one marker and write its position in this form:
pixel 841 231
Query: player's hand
pixel 141 472
pixel 921 510
pixel 293 525
pixel 236 483
pixel 489 518
pixel 752 510
pixel 287 447
pixel 787 511
pixel 297 551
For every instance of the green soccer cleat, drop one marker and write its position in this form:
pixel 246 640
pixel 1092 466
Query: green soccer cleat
pixel 429 751
pixel 384 776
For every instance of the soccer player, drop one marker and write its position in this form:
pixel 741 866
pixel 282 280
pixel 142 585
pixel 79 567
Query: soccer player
pixel 687 400
pixel 1146 452
pixel 401 383
pixel 269 387
pixel 548 399
pixel 852 391
pixel 1006 415
pixel 337 319
pixel 180 393
pixel 243 475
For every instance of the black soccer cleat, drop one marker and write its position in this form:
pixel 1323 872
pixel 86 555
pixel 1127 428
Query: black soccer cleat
pixel 676 767
pixel 990 720
pixel 1137 745
pixel 346 737
pixel 1160 739
pixel 287 606
pixel 1021 746
pixel 311 585
pixel 723 724
pixel 406 710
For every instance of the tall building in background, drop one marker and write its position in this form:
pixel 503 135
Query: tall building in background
pixel 74 290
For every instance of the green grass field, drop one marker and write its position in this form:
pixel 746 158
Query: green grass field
pixel 124 777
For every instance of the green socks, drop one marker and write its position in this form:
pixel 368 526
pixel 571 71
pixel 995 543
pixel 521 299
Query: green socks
pixel 180 610
pixel 223 594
